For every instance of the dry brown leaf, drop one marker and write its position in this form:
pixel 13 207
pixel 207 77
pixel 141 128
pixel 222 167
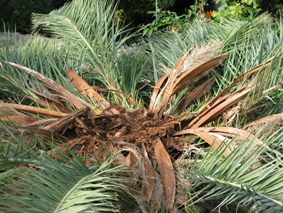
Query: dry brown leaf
pixel 46 133
pixel 51 100
pixel 208 107
pixel 210 139
pixel 222 131
pixel 198 92
pixel 189 82
pixel 130 160
pixel 272 88
pixel 231 113
pixel 157 88
pixel 209 65
pixel 241 78
pixel 265 119
pixel 167 175
pixel 150 175
pixel 58 125
pixel 49 104
pixel 19 119
pixel 35 110
pixel 158 111
pixel 84 88
pixel 142 86
pixel 51 83
pixel 40 123
pixel 217 109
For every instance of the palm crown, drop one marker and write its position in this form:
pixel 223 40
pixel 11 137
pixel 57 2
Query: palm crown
pixel 210 130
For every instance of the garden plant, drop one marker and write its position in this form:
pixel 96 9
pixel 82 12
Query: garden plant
pixel 177 122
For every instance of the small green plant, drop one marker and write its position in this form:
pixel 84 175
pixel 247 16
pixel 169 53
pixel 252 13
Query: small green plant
pixel 170 21
pixel 166 20
pixel 241 10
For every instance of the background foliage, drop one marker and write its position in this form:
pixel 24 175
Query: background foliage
pixel 135 12
pixel 18 12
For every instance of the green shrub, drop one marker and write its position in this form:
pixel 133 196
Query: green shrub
pixel 242 10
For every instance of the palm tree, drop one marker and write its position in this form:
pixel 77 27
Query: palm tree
pixel 209 135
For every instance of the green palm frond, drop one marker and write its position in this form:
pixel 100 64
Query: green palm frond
pixel 14 152
pixel 231 181
pixel 247 43
pixel 235 35
pixel 95 43
pixel 89 44
pixel 67 186
pixel 33 181
pixel 39 54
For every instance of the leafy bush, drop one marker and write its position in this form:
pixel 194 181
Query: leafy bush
pixel 243 10
pixel 170 21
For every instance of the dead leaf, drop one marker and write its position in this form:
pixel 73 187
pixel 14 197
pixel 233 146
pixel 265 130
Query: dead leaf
pixel 210 139
pixel 158 111
pixel 35 110
pixel 48 99
pixel 189 82
pixel 84 88
pixel 150 175
pixel 213 141
pixel 270 118
pixel 204 67
pixel 19 119
pixel 196 93
pixel 218 108
pixel 66 120
pixel 130 160
pixel 224 131
pixel 157 89
pixel 51 83
pixel 167 175
pixel 49 105
pixel 241 78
